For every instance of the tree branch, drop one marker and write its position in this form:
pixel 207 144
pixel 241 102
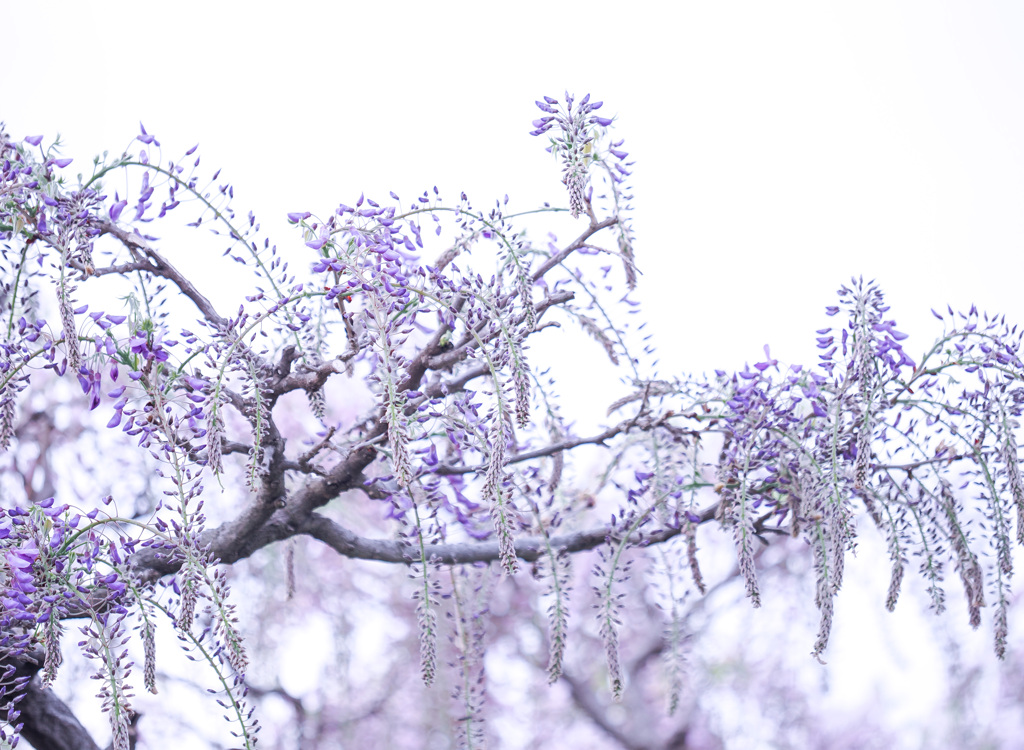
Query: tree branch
pixel 548 450
pixel 308 380
pixel 349 544
pixel 159 266
pixel 579 242
pixel 49 723
pixel 261 523
pixel 456 355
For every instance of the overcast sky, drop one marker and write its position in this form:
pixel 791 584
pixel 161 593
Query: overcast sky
pixel 780 147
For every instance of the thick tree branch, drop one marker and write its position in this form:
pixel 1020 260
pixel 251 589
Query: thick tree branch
pixel 529 549
pixel 49 723
pixel 261 525
pixel 307 380
pixel 264 523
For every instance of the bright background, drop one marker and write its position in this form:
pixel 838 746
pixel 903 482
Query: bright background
pixel 780 148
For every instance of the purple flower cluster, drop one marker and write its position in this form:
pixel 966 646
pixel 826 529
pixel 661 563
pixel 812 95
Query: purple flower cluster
pixel 463 441
pixel 904 441
pixel 575 144
pixel 56 564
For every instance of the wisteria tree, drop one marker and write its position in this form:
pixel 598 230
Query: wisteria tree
pixel 370 395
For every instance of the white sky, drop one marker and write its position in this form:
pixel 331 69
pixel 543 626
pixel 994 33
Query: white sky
pixel 781 147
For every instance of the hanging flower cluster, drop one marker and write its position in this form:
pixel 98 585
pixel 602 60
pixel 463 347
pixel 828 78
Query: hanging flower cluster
pixel 575 144
pixel 407 327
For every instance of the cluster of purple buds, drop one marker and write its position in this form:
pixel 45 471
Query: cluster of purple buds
pixel 19 178
pixel 150 348
pixel 864 302
pixel 35 140
pixel 389 248
pixel 575 123
pixel 20 561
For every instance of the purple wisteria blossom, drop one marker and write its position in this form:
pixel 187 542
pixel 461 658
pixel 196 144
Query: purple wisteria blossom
pixel 377 393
